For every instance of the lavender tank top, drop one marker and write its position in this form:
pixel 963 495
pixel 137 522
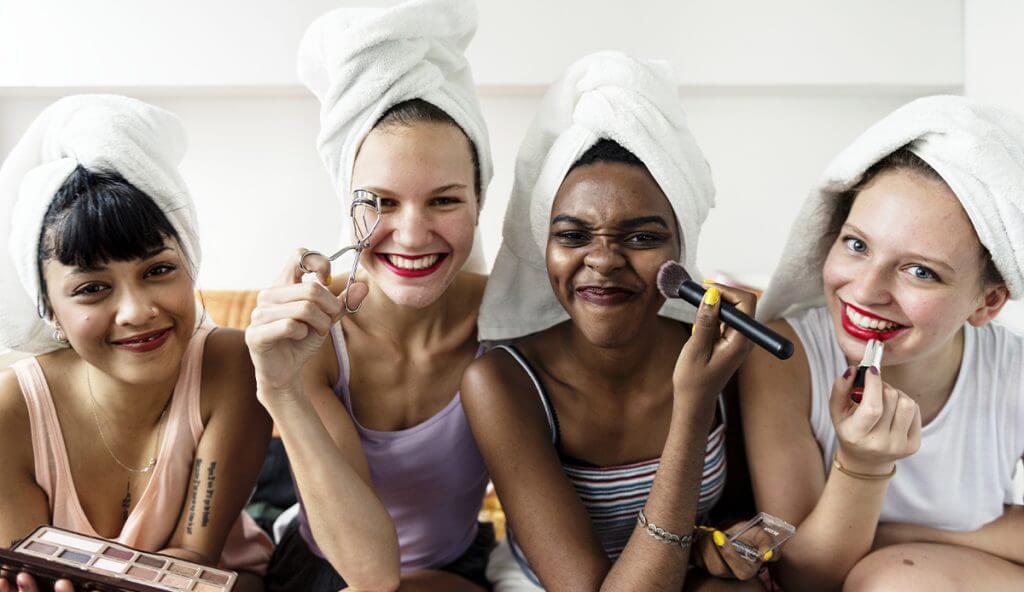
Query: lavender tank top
pixel 430 477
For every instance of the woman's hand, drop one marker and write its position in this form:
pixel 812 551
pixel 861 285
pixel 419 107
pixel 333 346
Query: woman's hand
pixel 713 553
pixel 883 428
pixel 714 352
pixel 291 321
pixel 26 583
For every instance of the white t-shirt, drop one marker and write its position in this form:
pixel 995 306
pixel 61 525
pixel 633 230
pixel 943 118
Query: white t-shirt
pixel 963 473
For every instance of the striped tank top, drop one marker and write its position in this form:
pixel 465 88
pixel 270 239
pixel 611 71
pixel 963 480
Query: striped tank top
pixel 614 495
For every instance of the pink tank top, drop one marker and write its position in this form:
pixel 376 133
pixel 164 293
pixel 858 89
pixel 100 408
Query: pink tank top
pixel 152 522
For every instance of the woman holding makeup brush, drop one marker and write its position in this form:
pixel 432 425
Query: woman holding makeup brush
pixel 368 404
pixel 601 421
pixel 914 239
pixel 112 429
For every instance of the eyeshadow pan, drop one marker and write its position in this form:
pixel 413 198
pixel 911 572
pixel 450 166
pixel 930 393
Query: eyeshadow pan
pixel 212 576
pixel 110 565
pixel 118 553
pixel 174 580
pixel 151 561
pixel 204 587
pixel 182 570
pixel 67 540
pixel 142 573
pixel 41 548
pixel 75 556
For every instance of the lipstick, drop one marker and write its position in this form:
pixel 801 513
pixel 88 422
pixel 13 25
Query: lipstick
pixel 872 357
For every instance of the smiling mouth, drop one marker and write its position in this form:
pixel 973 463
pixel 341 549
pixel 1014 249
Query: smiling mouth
pixel 414 262
pixel 412 265
pixel 144 342
pixel 143 338
pixel 604 296
pixel 864 325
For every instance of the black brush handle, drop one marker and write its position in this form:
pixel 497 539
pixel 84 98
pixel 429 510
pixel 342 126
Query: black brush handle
pixel 775 344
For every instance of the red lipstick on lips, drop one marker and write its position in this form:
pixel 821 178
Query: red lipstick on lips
pixel 144 342
pixel 413 273
pixel 604 295
pixel 867 334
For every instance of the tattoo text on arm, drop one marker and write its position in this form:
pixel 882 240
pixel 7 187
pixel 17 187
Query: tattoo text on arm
pixel 208 500
pixel 196 468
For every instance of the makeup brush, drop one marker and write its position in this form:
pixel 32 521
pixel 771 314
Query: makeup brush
pixel 674 282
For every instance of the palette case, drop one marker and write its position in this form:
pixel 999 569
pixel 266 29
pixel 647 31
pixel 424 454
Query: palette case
pixel 50 553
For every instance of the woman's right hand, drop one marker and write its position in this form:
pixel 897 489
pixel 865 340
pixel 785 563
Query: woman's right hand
pixel 712 355
pixel 883 428
pixel 26 583
pixel 292 319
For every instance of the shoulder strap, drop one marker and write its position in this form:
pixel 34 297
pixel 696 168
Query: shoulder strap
pixel 549 410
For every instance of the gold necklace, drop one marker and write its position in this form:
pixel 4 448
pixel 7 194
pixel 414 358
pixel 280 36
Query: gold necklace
pixel 152 461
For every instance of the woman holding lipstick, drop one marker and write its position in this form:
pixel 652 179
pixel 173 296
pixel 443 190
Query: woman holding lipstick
pixel 114 428
pixel 911 488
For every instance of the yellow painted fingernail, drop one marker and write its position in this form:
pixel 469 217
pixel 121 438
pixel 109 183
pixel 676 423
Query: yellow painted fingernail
pixel 707 281
pixel 768 555
pixel 712 296
pixel 693 329
pixel 719 538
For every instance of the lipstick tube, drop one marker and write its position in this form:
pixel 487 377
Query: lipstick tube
pixel 872 357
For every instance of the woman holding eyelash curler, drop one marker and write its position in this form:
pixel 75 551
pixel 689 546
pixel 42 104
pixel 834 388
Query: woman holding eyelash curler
pixel 388 474
pixel 914 238
pixel 113 429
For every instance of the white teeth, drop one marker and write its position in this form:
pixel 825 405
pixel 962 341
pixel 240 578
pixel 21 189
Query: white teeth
pixel 406 263
pixel 152 337
pixel 869 323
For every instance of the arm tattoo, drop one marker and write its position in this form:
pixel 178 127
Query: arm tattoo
pixel 196 468
pixel 208 500
pixel 126 503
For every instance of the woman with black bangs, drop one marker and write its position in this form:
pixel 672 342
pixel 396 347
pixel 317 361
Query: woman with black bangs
pixel 113 429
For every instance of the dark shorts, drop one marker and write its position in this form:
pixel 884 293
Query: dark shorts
pixel 295 568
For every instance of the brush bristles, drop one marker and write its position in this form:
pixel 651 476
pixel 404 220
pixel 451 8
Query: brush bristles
pixel 671 275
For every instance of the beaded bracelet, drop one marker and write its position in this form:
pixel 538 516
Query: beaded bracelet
pixel 866 476
pixel 661 535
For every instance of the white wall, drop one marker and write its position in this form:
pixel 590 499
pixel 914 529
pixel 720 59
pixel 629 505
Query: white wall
pixel 993 50
pixel 773 90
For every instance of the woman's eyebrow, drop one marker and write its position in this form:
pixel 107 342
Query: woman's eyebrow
pixel 642 221
pixel 154 252
pixel 570 220
pixel 448 187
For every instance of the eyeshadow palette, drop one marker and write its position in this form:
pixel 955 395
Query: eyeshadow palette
pixel 96 564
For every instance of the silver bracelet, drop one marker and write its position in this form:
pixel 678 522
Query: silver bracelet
pixel 661 535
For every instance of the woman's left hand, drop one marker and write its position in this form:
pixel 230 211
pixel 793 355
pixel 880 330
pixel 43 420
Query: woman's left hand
pixel 713 553
pixel 26 583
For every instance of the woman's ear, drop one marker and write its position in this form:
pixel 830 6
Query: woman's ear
pixel 992 302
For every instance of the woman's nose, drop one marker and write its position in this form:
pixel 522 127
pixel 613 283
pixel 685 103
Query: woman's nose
pixel 603 257
pixel 135 307
pixel 410 228
pixel 871 285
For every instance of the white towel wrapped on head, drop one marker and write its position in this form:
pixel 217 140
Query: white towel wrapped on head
pixel 606 95
pixel 360 62
pixel 143 143
pixel 977 149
